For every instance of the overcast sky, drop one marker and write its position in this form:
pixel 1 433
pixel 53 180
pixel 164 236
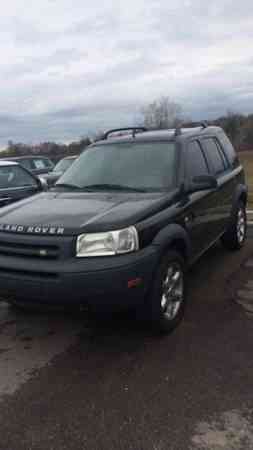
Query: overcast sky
pixel 68 68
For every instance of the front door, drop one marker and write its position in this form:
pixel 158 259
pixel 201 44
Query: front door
pixel 200 207
pixel 15 184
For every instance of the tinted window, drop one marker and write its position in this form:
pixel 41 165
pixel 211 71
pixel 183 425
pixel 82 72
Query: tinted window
pixel 27 163
pixel 196 161
pixel 223 155
pixel 228 148
pixel 145 166
pixel 213 155
pixel 14 177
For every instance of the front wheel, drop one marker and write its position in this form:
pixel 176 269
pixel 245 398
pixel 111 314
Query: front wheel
pixel 235 235
pixel 166 302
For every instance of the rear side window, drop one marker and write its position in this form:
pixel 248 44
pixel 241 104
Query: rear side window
pixel 228 149
pixel 196 164
pixel 213 155
pixel 223 155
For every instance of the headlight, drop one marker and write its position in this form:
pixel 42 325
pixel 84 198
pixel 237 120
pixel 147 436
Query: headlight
pixel 109 243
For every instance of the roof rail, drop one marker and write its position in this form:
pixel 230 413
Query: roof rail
pixel 178 130
pixel 117 130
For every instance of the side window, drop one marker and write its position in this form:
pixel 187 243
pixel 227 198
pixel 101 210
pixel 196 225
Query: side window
pixel 223 154
pixel 26 163
pixel 213 155
pixel 15 177
pixel 228 149
pixel 196 162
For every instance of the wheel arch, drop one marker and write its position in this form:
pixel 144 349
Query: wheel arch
pixel 244 197
pixel 241 194
pixel 174 237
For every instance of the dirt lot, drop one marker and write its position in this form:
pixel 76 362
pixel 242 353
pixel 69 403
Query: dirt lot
pixel 68 382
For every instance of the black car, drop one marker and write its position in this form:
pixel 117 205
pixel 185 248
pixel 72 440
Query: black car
pixel 124 224
pixel 38 165
pixel 59 169
pixel 16 183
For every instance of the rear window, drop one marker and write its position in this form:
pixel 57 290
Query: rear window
pixel 40 164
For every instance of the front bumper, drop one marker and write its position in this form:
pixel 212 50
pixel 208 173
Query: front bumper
pixel 110 282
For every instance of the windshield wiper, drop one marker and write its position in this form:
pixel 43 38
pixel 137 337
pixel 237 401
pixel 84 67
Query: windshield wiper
pixel 67 185
pixel 112 187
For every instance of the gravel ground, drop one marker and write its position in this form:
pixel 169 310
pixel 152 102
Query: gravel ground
pixel 70 382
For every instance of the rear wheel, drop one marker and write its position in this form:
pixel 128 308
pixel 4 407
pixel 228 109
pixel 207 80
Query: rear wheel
pixel 235 236
pixel 166 302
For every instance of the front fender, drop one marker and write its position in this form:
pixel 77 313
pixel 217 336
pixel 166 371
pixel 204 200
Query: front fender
pixel 169 235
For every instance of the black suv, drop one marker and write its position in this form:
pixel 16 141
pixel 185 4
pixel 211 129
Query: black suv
pixel 125 222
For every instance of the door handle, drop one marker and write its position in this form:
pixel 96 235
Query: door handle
pixel 189 218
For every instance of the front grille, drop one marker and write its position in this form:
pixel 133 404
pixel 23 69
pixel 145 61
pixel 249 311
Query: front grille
pixel 35 248
pixel 33 257
pixel 29 250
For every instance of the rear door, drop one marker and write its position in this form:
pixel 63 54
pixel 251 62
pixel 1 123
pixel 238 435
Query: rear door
pixel 220 168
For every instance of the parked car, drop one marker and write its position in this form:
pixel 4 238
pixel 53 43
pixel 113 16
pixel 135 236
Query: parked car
pixel 16 183
pixel 38 165
pixel 59 169
pixel 125 222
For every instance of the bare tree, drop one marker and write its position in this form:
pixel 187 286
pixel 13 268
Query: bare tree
pixel 163 113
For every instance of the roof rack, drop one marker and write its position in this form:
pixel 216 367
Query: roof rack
pixel 178 130
pixel 117 130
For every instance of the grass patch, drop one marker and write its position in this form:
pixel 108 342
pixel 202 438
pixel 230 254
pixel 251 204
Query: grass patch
pixel 246 159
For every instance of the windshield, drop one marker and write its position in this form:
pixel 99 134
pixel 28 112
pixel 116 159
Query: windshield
pixel 63 165
pixel 140 166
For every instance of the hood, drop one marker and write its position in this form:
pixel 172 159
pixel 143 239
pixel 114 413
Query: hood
pixel 71 213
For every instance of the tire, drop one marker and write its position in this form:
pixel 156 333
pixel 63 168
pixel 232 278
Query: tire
pixel 235 236
pixel 161 307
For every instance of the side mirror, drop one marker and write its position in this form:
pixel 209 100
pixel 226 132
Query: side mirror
pixel 203 183
pixel 43 184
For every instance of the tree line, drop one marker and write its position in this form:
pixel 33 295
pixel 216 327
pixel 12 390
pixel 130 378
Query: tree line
pixel 52 150
pixel 162 113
